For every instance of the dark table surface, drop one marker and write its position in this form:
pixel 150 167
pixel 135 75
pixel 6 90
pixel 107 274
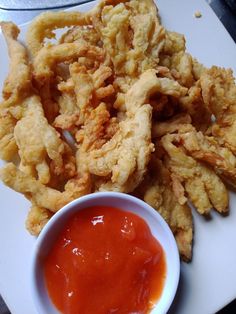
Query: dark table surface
pixel 224 9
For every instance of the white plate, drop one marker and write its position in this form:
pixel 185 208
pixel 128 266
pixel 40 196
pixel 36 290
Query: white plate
pixel 208 283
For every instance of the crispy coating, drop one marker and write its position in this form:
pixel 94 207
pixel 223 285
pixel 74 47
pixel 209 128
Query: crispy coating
pixel 218 90
pixel 66 121
pixel 37 141
pixel 203 187
pixel 132 36
pixel 193 103
pixel 89 89
pixel 43 26
pixel 219 94
pixel 8 147
pixel 156 191
pixel 170 126
pixel 41 195
pixel 83 86
pixel 208 150
pixel 93 135
pixel 17 83
pixel 151 83
pixel 67 103
pixel 18 80
pixel 37 219
pixel 86 34
pixel 49 56
pixel 126 155
pixel 183 66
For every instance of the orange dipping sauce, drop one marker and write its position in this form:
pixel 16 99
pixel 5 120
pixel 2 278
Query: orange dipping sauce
pixel 105 261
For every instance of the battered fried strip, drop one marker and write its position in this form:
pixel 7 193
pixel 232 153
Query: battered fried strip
pixel 126 155
pixel 37 141
pixel 49 56
pixel 172 125
pixel 37 219
pixel 219 94
pixel 132 37
pixel 148 84
pixel 207 149
pixel 39 194
pixel 82 33
pixel 202 185
pixel 66 121
pixel 157 192
pixel 88 90
pixel 95 128
pixel 193 103
pixel 42 27
pixel 83 87
pixel 18 80
pixel 8 147
pixel 16 85
pixel 87 86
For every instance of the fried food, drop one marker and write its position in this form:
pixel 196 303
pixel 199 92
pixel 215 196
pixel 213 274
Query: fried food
pixel 194 105
pixel 132 36
pixel 207 149
pixel 8 147
pixel 18 80
pixel 37 219
pixel 203 187
pixel 41 195
pixel 49 56
pixel 16 86
pixel 156 191
pixel 38 142
pixel 43 26
pixel 126 155
pixel 86 34
pixel 114 102
pixel 219 94
pixel 170 126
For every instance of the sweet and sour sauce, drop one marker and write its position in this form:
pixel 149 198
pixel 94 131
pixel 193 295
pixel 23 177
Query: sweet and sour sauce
pixel 105 260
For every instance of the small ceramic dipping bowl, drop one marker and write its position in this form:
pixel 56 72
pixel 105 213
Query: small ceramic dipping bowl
pixel 159 229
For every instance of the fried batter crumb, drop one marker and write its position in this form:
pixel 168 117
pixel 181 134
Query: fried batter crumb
pixel 198 14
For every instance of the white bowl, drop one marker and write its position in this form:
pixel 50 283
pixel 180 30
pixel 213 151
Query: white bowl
pixel 156 223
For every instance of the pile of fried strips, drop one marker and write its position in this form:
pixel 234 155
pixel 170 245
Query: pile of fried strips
pixel 115 103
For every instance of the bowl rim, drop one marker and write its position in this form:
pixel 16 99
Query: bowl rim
pixel 64 211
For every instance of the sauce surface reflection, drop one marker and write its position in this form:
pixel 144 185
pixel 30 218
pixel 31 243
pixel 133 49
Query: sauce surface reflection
pixel 105 261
